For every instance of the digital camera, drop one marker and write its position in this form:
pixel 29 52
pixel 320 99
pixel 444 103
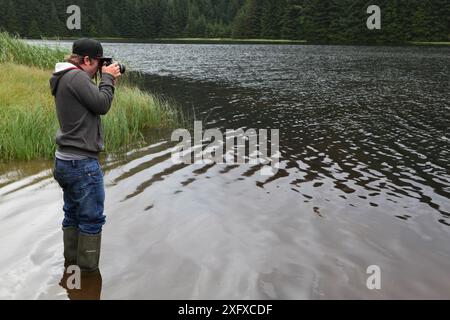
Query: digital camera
pixel 109 61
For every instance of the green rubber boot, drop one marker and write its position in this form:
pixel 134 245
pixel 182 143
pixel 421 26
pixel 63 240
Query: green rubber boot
pixel 70 237
pixel 89 252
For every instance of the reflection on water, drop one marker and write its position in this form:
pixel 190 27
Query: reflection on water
pixel 379 148
pixel 90 286
pixel 364 180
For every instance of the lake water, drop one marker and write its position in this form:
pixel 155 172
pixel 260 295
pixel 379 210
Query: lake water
pixel 364 180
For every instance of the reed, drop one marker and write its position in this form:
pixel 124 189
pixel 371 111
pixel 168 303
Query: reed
pixel 28 122
pixel 14 50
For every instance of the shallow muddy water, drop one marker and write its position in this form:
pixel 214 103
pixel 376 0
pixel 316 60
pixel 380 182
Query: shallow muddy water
pixel 364 180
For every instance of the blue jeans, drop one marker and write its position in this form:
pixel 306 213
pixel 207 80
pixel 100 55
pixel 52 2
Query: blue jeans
pixel 84 194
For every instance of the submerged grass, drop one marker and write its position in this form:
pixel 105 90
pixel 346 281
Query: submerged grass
pixel 28 121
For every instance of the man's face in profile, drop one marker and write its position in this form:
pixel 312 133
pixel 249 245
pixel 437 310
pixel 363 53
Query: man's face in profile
pixel 91 66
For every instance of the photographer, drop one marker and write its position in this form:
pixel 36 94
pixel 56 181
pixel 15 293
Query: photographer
pixel 79 105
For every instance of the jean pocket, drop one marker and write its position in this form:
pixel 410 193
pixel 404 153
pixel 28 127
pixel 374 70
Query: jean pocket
pixel 92 166
pixel 95 173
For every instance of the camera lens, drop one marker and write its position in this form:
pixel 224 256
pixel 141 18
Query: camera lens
pixel 122 67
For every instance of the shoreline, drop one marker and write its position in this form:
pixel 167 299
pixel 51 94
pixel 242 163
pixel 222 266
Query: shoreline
pixel 230 41
pixel 30 124
pixel 183 40
pixel 430 43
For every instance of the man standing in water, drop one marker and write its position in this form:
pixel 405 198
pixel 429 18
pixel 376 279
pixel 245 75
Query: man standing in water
pixel 79 105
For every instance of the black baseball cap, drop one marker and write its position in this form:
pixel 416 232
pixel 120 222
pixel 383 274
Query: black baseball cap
pixel 88 47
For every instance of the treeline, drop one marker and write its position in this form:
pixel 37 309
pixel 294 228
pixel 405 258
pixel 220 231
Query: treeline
pixel 401 20
pixel 121 18
pixel 319 21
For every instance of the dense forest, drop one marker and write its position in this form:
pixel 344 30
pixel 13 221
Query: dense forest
pixel 318 21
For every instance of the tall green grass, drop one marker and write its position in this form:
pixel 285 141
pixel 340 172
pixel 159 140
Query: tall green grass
pixel 14 50
pixel 28 121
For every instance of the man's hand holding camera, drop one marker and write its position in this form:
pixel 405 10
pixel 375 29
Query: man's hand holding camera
pixel 113 69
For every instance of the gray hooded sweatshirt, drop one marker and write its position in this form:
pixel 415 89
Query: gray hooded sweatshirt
pixel 79 105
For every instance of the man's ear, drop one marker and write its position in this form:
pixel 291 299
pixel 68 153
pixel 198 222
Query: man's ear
pixel 87 61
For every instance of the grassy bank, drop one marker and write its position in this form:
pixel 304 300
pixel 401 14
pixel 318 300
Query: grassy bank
pixel 431 43
pixel 255 41
pixel 16 51
pixel 28 119
pixel 194 40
